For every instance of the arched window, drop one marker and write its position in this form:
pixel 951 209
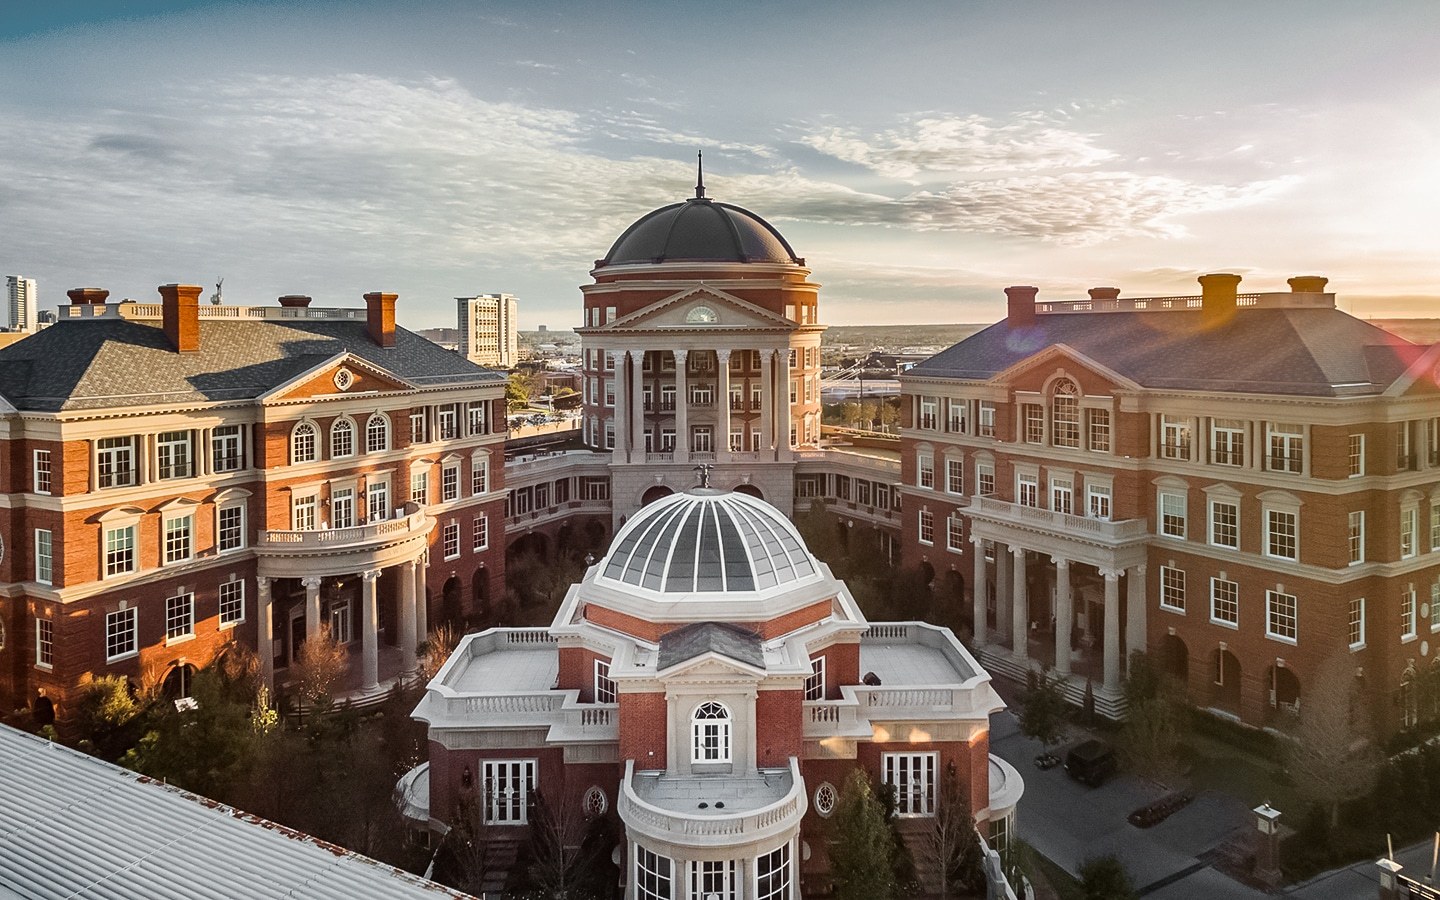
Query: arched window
pixel 377 433
pixel 342 438
pixel 302 443
pixel 1065 414
pixel 710 726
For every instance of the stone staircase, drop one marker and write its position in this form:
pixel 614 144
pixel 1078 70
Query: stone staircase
pixel 998 660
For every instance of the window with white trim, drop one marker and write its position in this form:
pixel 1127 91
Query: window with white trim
pixel 119 550
pixel 955 533
pixel 955 415
pixel 925 470
pixel 1355 535
pixel 913 776
pixel 121 633
pixel 419 427
pixel 985 479
pixel 377 501
pixel 447 422
pixel 302 443
pixel 1281 616
pixel 955 476
pixel 653 875
pixel 1172 588
pixel 927 526
pixel 377 433
pixel 342 438
pixel 1098 429
pixel 1062 495
pixel 1097 501
pixel 1225 602
pixel 230 527
pixel 1409 531
pixel 115 462
pixel 180 616
pixel 227 449
pixel 1225 523
pixel 450 483
pixel 713 879
pixel 1065 415
pixel 232 603
pixel 481 529
pixel 1227 442
pixel 178 532
pixel 1282 534
pixel 302 512
pixel 1175 437
pixel 815 682
pixel 44 556
pixel 44 643
pixel 772 874
pixel 506 787
pixel 420 486
pixel 477 415
pixel 710 733
pixel 1287 448
pixel 1355 453
pixel 986 418
pixel 1435 605
pixel 604 686
pixel 1408 627
pixel 1357 623
pixel 172 455
pixel 1032 418
pixel 450 540
pixel 929 413
pixel 42 472
pixel 1027 489
pixel 1172 514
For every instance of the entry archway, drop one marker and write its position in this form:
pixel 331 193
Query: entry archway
pixel 749 490
pixel 653 493
pixel 179 681
pixel 1175 658
pixel 1284 689
pixel 1225 678
pixel 450 608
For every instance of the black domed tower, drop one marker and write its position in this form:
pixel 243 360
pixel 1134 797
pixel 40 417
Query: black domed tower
pixel 701 343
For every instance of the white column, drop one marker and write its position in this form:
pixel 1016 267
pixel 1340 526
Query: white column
pixel 782 406
pixel 1134 612
pixel 201 463
pixel 620 414
pixel 369 627
pixel 1002 588
pixel 637 401
pixel 977 589
pixel 767 400
pixel 1112 629
pixel 682 408
pixel 312 606
pixel 408 641
pixel 722 386
pixel 422 611
pixel 1064 614
pixel 265 630
pixel 1020 609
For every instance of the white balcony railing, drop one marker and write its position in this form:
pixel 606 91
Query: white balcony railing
pixel 1062 523
pixel 346 538
pixel 674 826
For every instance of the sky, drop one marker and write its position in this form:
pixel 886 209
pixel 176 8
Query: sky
pixel 920 156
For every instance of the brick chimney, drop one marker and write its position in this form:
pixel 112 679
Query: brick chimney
pixel 295 301
pixel 1217 297
pixel 1105 293
pixel 1020 305
pixel 1308 284
pixel 180 315
pixel 380 315
pixel 87 296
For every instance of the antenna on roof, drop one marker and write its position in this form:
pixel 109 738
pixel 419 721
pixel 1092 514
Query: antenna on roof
pixel 699 175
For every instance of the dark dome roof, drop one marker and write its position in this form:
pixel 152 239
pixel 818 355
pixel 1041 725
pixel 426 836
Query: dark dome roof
pixel 701 230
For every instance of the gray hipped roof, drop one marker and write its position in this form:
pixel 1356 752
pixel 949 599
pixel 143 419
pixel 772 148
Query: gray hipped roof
pixel 100 363
pixel 1296 351
pixel 724 638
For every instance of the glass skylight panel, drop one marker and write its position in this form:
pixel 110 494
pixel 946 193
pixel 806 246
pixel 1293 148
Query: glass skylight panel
pixel 681 576
pixel 738 576
pixel 708 575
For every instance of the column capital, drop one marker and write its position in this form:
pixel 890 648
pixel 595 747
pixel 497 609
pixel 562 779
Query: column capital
pixel 1111 574
pixel 311 583
pixel 637 356
pixel 1017 552
pixel 680 355
pixel 722 355
pixel 977 540
pixel 617 355
pixel 1139 570
pixel 410 565
pixel 262 584
pixel 370 575
pixel 1060 562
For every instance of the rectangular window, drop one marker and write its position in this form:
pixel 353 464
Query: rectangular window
pixel 342 507
pixel 1065 418
pixel 1027 490
pixel 1062 495
pixel 955 418
pixel 654 878
pixel 925 470
pixel 1357 623
pixel 1172 589
pixel 985 479
pixel 1435 525
pixel 1357 455
pixel 1405 446
pixel 482 532
pixel 119 550
pixel 44 643
pixel 929 413
pixel 180 617
pixel 912 775
pixel 1033 417
pixel 955 476
pixel 1287 448
pixel 230 527
pixel 955 533
pixel 377 501
pixel 1356 536
pixel 1225 523
pixel 1224 602
pixel 448 422
pixel 479 473
pixel 302 513
pixel 986 424
pixel 418 431
pixel 1174 437
pixel 451 540
pixel 450 483
pixel 713 879
pixel 44 556
pixel 179 533
pixel 1407 613
pixel 478 417
pixel 120 633
pixel 1281 534
pixel 1097 501
pixel 1172 515
pixel 1409 532
pixel 419 486
pixel 1099 429
pixel 115 462
pixel 172 453
pixel 507 786
pixel 1227 442
pixel 815 683
pixel 927 527
pixel 232 603
pixel 1281 616
pixel 604 686
pixel 227 451
pixel 42 471
pixel 772 874
pixel 702 439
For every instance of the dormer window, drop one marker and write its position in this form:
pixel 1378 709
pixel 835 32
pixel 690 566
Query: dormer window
pixel 710 728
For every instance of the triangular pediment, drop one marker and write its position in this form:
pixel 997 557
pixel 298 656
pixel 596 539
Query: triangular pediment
pixel 342 375
pixel 700 308
pixel 1034 372
pixel 711 666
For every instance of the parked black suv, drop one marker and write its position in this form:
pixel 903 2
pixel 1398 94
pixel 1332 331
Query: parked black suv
pixel 1090 762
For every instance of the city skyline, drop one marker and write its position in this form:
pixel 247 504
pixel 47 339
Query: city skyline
pixel 919 162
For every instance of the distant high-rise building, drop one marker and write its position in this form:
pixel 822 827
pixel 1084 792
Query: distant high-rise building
pixel 21 299
pixel 488 335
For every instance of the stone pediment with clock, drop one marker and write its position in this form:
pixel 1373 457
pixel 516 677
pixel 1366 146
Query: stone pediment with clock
pixel 343 375
pixel 700 308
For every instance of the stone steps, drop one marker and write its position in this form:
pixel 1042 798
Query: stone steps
pixel 998 660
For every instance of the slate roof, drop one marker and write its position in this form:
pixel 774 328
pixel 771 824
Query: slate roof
pixel 110 362
pixel 1297 351
pixel 702 230
pixel 724 638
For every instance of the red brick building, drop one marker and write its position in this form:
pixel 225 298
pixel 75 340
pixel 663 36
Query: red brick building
pixel 181 478
pixel 1247 485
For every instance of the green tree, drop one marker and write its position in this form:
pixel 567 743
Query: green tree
pixel 1155 720
pixel 862 844
pixel 103 713
pixel 1105 878
pixel 205 749
pixel 1042 712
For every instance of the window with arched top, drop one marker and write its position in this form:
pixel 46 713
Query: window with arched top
pixel 1065 414
pixel 377 433
pixel 303 443
pixel 710 728
pixel 342 438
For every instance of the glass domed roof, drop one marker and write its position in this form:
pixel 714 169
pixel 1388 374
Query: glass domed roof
pixel 708 542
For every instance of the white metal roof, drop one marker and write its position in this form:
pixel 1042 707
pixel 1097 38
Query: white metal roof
pixel 73 826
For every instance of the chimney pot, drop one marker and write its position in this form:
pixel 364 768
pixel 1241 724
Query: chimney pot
pixel 87 296
pixel 1217 296
pixel 1308 284
pixel 380 317
pixel 1105 293
pixel 180 315
pixel 294 301
pixel 1020 305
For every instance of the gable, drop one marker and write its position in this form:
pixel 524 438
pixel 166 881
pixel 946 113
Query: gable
pixel 711 666
pixel 700 308
pixel 342 376
pixel 1037 373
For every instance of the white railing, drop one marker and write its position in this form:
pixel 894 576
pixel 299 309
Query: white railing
pixel 132 310
pixel 529 636
pixel 335 538
pixel 668 825
pixel 557 510
pixel 660 456
pixel 1062 522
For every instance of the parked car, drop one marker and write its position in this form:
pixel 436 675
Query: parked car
pixel 1091 762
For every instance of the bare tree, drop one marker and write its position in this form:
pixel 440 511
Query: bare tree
pixel 561 854
pixel 951 843
pixel 1331 756
pixel 319 665
pixel 437 649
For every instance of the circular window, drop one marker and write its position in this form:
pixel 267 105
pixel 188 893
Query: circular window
pixel 344 378
pixel 825 798
pixel 701 315
pixel 595 802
